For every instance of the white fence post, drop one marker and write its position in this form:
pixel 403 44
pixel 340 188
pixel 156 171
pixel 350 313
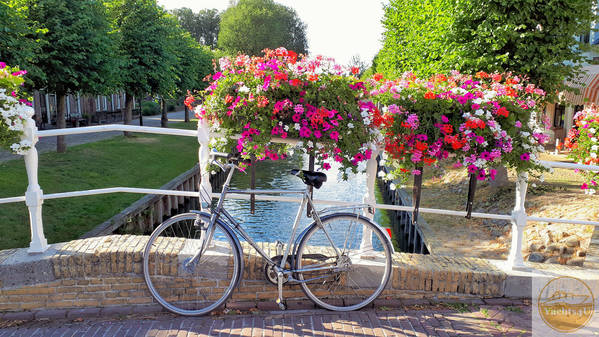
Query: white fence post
pixel 369 199
pixel 34 196
pixel 519 218
pixel 204 159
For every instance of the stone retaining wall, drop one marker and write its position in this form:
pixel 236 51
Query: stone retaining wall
pixel 106 271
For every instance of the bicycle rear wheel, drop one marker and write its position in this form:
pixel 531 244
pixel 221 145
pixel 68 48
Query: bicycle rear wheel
pixel 186 288
pixel 356 276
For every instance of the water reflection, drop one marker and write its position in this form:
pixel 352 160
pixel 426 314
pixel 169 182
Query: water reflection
pixel 272 220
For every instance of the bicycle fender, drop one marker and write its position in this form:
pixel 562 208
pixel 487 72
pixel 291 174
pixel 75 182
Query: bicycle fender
pixel 236 242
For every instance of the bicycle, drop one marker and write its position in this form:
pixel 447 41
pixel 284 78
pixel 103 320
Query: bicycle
pixel 192 262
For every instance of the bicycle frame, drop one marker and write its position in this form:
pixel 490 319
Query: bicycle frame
pixel 231 222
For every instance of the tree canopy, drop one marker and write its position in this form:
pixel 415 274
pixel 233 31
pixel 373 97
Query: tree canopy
pixel 253 25
pixel 76 53
pixel 532 37
pixel 203 26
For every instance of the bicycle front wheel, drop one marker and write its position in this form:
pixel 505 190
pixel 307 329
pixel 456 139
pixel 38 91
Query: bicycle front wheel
pixel 187 287
pixel 346 262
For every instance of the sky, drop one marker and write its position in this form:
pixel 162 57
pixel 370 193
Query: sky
pixel 335 28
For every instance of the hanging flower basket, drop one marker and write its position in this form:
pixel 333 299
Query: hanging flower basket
pixel 583 143
pixel 15 109
pixel 475 121
pixel 253 100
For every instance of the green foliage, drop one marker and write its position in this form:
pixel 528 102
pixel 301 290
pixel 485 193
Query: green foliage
pixel 150 108
pixel 194 62
pixel 144 34
pixel 19 37
pixel 253 25
pixel 415 38
pixel 533 37
pixel 77 53
pixel 203 26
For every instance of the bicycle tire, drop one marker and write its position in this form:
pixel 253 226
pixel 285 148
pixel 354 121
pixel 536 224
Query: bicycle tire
pixel 363 275
pixel 191 289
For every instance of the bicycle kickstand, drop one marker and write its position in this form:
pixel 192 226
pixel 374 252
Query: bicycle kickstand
pixel 280 302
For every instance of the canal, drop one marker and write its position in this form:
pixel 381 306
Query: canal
pixel 273 220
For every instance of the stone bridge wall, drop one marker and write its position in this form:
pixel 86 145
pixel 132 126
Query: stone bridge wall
pixel 106 271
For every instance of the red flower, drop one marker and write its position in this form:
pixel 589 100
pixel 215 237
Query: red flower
pixel 503 112
pixel 313 77
pixel 281 76
pixel 447 128
pixel 228 99
pixel 355 70
pixel 378 76
pixel 291 56
pixel 429 95
pixel 496 77
pixel 262 101
pixel 295 82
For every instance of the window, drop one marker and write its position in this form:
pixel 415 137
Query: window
pixel 585 38
pixel 105 103
pixel 558 116
pixel 118 101
pixel 98 103
pixel 67 101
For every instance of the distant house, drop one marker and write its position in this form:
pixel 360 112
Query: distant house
pixel 81 109
pixel 560 115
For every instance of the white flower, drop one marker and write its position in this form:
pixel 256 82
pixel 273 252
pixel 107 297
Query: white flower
pixel 593 155
pixel 592 130
pixel 350 125
pixel 594 147
pixel 244 89
pixel 310 144
pixel 392 187
pixel 479 112
pixel 594 140
pixel 542 178
pixel 381 174
pixel 297 126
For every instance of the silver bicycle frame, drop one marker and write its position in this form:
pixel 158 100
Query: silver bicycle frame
pixel 220 210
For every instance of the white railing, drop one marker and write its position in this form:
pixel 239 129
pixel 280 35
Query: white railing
pixel 34 196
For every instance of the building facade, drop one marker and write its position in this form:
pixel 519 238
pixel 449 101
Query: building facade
pixel 80 109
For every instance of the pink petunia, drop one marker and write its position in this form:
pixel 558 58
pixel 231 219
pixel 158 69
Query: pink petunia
pixel 326 166
pixel 334 136
pixel 525 156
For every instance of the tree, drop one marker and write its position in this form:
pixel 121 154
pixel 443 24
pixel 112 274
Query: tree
pixel 76 53
pixel 532 37
pixel 252 25
pixel 203 26
pixel 145 45
pixel 20 39
pixel 416 37
pixel 195 62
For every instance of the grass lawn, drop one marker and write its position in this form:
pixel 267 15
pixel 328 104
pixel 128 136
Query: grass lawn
pixel 145 160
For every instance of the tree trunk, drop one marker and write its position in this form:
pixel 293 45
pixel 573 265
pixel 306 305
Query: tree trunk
pixel 141 118
pixel 128 116
pixel 501 179
pixel 164 118
pixel 186 114
pixel 61 123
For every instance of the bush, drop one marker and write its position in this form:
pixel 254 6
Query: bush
pixel 171 105
pixel 149 108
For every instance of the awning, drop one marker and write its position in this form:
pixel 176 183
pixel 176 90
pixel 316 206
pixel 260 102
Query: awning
pixel 587 83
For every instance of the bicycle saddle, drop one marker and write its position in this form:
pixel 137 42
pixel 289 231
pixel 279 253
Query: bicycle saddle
pixel 310 178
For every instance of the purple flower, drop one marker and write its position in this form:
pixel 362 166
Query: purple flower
pixel 480 139
pixel 472 169
pixel 525 156
pixel 416 172
pixel 444 119
pixel 2 65
pixel 518 124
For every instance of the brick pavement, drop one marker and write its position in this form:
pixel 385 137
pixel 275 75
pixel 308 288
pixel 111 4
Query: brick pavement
pixel 438 320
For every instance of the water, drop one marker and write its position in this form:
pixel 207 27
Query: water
pixel 273 220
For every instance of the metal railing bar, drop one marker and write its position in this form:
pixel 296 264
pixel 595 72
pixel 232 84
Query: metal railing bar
pixel 13 199
pixel 576 222
pixel 117 127
pixel 571 166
